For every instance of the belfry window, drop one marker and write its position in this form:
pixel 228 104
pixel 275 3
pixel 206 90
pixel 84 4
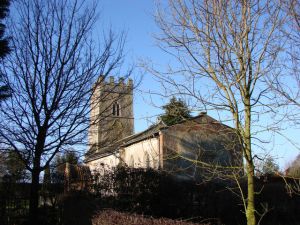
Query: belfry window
pixel 116 109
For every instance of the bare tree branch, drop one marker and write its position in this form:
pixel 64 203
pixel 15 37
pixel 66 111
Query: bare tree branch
pixel 52 68
pixel 225 50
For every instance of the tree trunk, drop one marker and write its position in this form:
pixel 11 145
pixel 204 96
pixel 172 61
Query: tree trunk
pixel 250 211
pixel 34 196
pixel 34 191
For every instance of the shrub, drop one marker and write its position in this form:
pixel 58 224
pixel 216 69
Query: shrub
pixel 110 217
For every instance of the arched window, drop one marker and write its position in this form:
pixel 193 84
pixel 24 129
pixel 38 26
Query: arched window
pixel 116 109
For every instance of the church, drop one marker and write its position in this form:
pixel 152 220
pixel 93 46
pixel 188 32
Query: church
pixel 187 149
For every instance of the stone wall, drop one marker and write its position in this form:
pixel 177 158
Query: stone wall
pixel 107 127
pixel 198 148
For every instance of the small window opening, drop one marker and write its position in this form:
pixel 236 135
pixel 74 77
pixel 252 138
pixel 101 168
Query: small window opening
pixel 116 109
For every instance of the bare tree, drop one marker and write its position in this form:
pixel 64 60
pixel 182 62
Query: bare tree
pixel 267 166
pixel 225 50
pixel 51 69
pixel 286 83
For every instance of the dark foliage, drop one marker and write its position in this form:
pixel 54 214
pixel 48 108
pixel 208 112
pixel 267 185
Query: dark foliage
pixel 156 193
pixel 4 45
pixel 15 167
pixel 282 206
pixel 176 111
pixel 77 208
pixel 13 201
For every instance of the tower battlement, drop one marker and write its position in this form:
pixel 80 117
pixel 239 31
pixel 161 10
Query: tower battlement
pixel 111 82
pixel 111 116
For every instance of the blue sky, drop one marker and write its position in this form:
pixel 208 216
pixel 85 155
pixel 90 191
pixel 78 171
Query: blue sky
pixel 136 18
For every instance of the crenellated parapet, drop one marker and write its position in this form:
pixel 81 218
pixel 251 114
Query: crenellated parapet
pixel 111 84
pixel 111 115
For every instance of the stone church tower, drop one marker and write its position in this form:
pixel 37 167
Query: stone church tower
pixel 111 113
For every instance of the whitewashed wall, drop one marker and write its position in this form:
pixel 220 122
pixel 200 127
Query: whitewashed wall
pixel 104 163
pixel 142 154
